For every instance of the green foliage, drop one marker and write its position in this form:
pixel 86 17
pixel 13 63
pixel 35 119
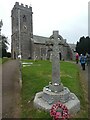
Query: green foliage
pixel 34 78
pixel 8 54
pixel 38 75
pixel 3 46
pixel 3 60
pixel 83 46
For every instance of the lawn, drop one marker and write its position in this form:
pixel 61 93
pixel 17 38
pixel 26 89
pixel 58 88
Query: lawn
pixel 38 75
pixel 3 60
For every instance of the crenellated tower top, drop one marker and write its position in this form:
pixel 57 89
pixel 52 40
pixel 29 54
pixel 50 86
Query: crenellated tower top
pixel 22 7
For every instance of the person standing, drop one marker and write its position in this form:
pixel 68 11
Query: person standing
pixel 83 61
pixel 77 58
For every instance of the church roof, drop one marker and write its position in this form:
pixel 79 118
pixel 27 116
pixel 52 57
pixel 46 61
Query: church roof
pixel 40 39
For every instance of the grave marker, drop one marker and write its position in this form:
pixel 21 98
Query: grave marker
pixel 55 91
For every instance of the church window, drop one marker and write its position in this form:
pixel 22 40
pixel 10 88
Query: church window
pixel 24 18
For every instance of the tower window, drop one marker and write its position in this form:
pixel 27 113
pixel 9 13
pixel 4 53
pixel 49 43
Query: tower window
pixel 24 18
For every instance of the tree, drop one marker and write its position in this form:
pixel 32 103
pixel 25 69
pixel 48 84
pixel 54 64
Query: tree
pixel 3 46
pixel 3 43
pixel 83 46
pixel 8 54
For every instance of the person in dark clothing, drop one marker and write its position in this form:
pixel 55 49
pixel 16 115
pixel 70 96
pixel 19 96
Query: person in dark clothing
pixel 83 61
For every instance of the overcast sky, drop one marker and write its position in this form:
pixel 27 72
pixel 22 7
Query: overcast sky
pixel 70 17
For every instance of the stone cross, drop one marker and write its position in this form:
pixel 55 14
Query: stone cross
pixel 55 40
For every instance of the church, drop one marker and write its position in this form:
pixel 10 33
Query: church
pixel 28 45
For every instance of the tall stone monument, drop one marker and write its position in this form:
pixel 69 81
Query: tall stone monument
pixel 55 91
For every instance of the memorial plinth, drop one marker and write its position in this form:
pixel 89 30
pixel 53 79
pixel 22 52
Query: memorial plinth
pixel 55 91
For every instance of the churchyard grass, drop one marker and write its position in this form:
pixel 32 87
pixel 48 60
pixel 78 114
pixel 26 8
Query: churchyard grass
pixel 38 75
pixel 3 60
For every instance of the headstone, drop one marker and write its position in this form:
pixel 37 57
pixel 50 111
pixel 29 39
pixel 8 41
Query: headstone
pixel 55 91
pixel 50 57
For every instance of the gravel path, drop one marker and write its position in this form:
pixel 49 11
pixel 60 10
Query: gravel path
pixel 85 75
pixel 10 90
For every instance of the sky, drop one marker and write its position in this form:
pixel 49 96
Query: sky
pixel 69 17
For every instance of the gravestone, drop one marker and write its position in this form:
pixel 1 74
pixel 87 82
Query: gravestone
pixel 55 91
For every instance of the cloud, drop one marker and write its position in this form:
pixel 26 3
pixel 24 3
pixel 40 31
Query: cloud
pixel 67 16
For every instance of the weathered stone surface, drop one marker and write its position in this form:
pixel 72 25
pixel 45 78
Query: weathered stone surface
pixel 56 87
pixel 73 104
pixel 62 96
pixel 55 58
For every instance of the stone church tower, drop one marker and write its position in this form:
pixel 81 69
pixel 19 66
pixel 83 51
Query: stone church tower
pixel 22 31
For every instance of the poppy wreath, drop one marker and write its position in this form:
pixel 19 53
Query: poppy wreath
pixel 59 111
